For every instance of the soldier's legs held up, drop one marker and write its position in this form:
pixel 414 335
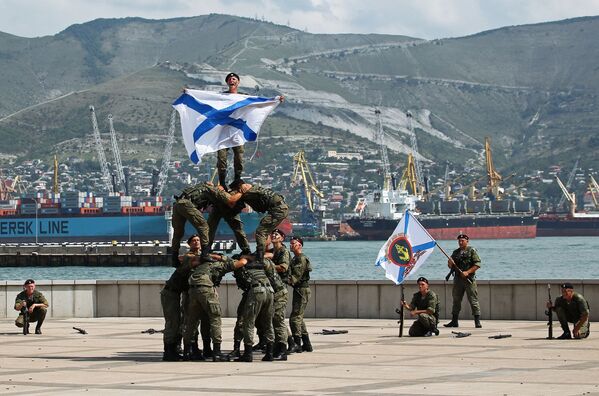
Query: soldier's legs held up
pixel 268 223
pixel 178 224
pixel 236 226
pixel 238 161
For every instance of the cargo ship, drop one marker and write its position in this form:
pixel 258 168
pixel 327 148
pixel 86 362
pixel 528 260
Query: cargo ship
pixel 566 224
pixel 83 217
pixel 447 219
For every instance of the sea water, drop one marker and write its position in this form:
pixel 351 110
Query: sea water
pixel 540 258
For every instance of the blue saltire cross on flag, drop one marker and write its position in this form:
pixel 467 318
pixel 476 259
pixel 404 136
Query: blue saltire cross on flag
pixel 406 249
pixel 211 121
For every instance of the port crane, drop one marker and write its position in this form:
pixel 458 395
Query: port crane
pixel 417 166
pixel 8 189
pixel 409 178
pixel 568 185
pixel 120 174
pixel 100 151
pixel 570 197
pixel 159 177
pixel 55 188
pixel 594 189
pixel 493 177
pixel 302 174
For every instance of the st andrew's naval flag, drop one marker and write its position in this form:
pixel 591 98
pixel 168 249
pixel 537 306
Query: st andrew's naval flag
pixel 211 121
pixel 406 249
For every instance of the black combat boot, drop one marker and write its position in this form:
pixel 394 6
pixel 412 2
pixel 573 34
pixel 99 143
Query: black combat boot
pixel 195 353
pixel 170 353
pixel 186 352
pixel 280 352
pixel 477 322
pixel 261 345
pixel 217 355
pixel 268 354
pixel 205 256
pixel 298 344
pixel 290 345
pixel 245 252
pixel 247 354
pixel 306 345
pixel 236 352
pixel 453 323
pixel 207 349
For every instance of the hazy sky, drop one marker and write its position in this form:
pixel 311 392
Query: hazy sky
pixel 418 18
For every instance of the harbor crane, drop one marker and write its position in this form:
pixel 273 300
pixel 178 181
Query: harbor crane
pixel 594 189
pixel 570 197
pixel 417 166
pixel 493 177
pixel 55 188
pixel 409 178
pixel 568 185
pixel 120 174
pixel 380 138
pixel 302 174
pixel 7 189
pixel 159 179
pixel 100 151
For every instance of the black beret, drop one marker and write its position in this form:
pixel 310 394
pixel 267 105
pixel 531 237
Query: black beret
pixel 29 282
pixel 278 231
pixel 232 75
pixel 235 184
pixel 566 285
pixel 422 279
pixel 296 238
pixel 463 236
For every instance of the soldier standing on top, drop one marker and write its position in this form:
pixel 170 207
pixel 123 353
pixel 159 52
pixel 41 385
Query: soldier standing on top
pixel 187 207
pixel 468 262
pixel 261 200
pixel 299 277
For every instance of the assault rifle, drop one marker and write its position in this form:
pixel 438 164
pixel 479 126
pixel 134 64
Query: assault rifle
pixel 454 270
pixel 25 313
pixel 399 311
pixel 549 313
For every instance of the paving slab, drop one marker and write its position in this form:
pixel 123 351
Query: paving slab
pixel 116 358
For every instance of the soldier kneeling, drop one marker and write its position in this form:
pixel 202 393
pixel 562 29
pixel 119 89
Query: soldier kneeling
pixel 425 307
pixel 36 305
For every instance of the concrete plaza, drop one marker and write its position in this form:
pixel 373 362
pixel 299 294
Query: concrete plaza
pixel 116 358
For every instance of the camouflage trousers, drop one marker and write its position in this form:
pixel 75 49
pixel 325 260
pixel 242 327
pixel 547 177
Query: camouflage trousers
pixel 238 330
pixel 268 223
pixel 38 315
pixel 460 287
pixel 301 296
pixel 258 310
pixel 566 317
pixel 221 163
pixel 184 210
pixel 422 325
pixel 278 318
pixel 234 223
pixel 203 305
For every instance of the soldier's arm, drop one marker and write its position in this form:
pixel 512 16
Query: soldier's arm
pixel 283 265
pixel 233 198
pixel 19 303
pixel 43 302
pixel 297 271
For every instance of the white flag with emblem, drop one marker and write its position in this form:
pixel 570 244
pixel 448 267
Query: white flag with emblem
pixel 406 249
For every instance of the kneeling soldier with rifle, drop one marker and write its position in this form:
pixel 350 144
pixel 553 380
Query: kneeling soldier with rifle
pixel 425 307
pixel 573 308
pixel 32 305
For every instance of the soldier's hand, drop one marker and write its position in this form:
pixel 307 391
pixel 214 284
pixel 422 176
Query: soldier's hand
pixel 576 332
pixel 31 308
pixel 449 263
pixel 413 313
pixel 549 305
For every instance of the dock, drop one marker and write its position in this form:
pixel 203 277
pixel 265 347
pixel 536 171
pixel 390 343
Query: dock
pixel 116 358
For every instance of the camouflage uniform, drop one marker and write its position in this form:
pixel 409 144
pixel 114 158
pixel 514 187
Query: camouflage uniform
pixel 231 216
pixel 465 259
pixel 571 312
pixel 204 299
pixel 265 200
pixel 173 307
pixel 38 314
pixel 280 257
pixel 188 207
pixel 425 322
pixel 221 163
pixel 299 276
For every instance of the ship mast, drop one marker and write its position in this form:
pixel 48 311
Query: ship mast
pixel 380 137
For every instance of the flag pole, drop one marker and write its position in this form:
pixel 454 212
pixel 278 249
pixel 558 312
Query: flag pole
pixel 401 312
pixel 455 267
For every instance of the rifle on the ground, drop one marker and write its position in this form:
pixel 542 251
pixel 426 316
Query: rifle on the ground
pixel 151 331
pixel 25 313
pixel 80 330
pixel 500 336
pixel 460 334
pixel 549 313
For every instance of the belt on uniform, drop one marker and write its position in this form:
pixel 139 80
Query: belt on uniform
pixel 198 286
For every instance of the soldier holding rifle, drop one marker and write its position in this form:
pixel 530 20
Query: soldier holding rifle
pixel 573 308
pixel 33 306
pixel 464 262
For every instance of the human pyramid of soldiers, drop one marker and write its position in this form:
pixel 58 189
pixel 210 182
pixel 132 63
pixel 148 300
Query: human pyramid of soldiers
pixel 190 299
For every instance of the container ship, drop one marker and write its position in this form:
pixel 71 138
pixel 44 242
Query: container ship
pixel 75 216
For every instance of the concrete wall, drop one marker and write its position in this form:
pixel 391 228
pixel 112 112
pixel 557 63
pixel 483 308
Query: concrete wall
pixel 505 300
